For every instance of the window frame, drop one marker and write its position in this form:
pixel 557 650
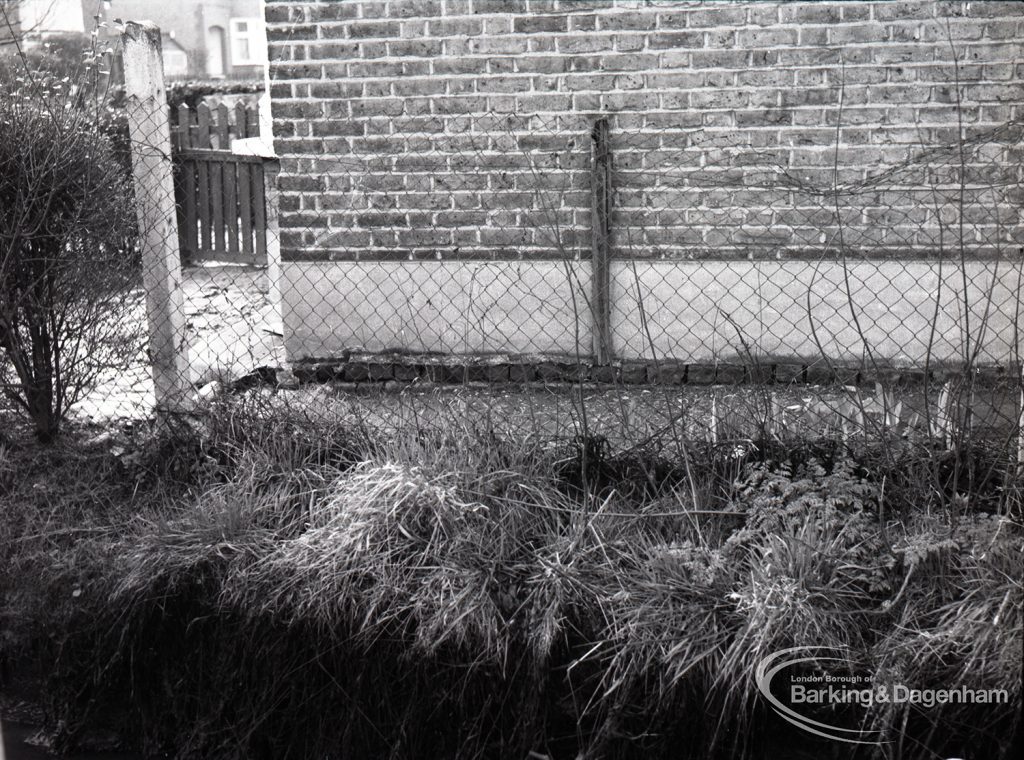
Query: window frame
pixel 255 35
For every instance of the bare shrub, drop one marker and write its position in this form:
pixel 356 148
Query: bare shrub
pixel 67 253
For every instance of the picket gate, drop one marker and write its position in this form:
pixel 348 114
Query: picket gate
pixel 220 195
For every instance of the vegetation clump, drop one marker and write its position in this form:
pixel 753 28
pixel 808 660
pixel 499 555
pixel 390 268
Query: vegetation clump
pixel 300 589
pixel 68 257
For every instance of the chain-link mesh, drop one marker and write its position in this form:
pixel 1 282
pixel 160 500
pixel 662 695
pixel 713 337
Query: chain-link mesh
pixel 620 277
pixel 203 299
pixel 744 252
pixel 468 242
pixel 909 264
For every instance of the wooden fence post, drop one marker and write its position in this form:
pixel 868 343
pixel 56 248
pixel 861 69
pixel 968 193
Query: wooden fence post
pixel 600 243
pixel 150 135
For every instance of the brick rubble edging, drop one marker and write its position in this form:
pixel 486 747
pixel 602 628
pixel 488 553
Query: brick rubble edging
pixel 405 371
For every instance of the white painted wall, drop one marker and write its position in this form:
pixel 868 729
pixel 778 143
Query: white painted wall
pixel 446 306
pixel 52 16
pixel 691 309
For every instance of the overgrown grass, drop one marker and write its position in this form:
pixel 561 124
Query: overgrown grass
pixel 281 582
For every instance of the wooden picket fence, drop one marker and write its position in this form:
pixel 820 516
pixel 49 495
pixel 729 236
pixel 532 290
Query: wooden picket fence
pixel 221 196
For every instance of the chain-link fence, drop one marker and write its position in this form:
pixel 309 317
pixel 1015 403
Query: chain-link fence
pixel 910 264
pixel 552 249
pixel 397 246
pixel 651 275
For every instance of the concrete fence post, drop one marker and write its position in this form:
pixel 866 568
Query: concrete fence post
pixel 150 135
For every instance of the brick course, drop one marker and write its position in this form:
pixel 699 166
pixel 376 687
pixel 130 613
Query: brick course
pixel 403 126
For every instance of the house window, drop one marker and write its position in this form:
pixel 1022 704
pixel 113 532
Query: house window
pixel 248 42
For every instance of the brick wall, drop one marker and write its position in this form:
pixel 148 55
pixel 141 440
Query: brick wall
pixel 461 128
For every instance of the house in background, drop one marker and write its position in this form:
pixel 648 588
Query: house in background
pixel 202 39
pixel 33 20
pixel 176 58
pixel 40 17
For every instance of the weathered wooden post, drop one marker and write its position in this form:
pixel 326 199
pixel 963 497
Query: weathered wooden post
pixel 600 244
pixel 150 134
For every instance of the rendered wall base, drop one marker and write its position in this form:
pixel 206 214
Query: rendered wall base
pixel 703 311
pixel 696 312
pixel 450 307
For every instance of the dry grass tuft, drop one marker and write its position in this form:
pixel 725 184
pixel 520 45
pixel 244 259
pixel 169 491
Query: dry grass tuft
pixel 291 587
